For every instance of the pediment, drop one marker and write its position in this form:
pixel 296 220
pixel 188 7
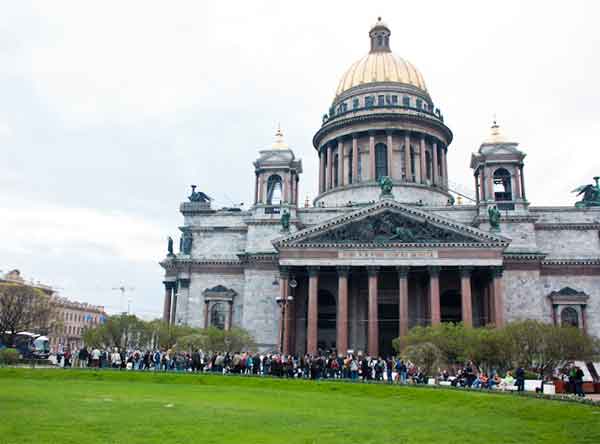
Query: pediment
pixel 389 223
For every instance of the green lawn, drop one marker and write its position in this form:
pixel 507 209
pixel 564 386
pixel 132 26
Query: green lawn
pixel 72 406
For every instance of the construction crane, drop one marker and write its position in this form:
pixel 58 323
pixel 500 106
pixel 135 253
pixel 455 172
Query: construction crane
pixel 123 289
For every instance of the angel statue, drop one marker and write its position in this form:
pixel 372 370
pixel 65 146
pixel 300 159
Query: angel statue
pixel 494 215
pixel 386 184
pixel 591 194
pixel 198 196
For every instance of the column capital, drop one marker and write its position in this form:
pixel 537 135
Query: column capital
pixel 466 271
pixel 313 270
pixel 434 270
pixel 372 133
pixel 402 271
pixel 390 132
pixel 497 271
pixel 169 285
pixel 207 301
pixel 343 270
pixel 372 270
pixel 284 272
pixel 355 136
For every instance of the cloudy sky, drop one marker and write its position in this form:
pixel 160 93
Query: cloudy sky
pixel 110 110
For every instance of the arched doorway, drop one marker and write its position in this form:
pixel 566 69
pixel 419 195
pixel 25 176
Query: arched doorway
pixel 326 321
pixel 569 317
pixel 450 305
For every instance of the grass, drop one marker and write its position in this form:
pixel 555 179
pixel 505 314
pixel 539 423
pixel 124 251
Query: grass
pixel 73 406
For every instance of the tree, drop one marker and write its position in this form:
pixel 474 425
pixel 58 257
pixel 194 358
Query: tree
pixel 487 348
pixel 214 339
pixel 24 308
pixel 542 346
pixel 425 355
pixel 449 338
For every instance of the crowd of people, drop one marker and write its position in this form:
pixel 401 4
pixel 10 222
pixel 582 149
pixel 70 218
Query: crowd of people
pixel 324 366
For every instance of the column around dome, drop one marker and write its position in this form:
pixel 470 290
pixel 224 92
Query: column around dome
pixel 328 170
pixel 435 176
pixel 422 160
pixel 408 174
pixel 390 153
pixel 355 158
pixel 340 150
pixel 372 155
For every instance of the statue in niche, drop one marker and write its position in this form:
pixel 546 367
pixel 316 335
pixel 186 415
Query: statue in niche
pixel 494 215
pixel 186 242
pixel 591 194
pixel 198 196
pixel 285 220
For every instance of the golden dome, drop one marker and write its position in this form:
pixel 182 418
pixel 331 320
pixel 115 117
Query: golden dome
pixel 378 67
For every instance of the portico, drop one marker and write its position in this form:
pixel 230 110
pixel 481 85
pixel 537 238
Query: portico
pixel 387 268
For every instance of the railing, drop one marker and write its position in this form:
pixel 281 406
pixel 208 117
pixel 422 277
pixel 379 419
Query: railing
pixel 336 114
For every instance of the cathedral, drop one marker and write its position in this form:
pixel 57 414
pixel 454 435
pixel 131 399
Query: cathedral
pixel 383 247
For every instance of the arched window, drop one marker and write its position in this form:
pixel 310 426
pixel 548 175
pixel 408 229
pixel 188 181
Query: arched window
pixel 428 164
pixel 502 185
pixel 569 317
pixel 274 190
pixel 336 162
pixel 381 168
pixel 350 165
pixel 217 316
pixel 413 162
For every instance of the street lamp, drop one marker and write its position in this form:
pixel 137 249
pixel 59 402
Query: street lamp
pixel 283 302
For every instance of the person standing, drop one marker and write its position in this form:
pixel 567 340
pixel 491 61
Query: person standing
pixel 520 379
pixel 83 357
pixel 579 382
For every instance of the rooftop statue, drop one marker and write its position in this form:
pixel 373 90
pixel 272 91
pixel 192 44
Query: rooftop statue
pixel 591 194
pixel 170 246
pixel 198 196
pixel 494 215
pixel 386 185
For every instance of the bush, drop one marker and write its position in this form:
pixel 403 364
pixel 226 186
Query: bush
pixel 9 356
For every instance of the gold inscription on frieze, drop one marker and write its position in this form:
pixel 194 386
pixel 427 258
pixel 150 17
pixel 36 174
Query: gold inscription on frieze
pixel 387 254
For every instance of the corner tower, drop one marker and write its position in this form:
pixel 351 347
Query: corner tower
pixel 382 122
pixel 277 172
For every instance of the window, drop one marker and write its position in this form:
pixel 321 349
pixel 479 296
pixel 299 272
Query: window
pixel 381 100
pixel 359 168
pixel 394 100
pixel 502 185
pixel 569 317
pixel 350 164
pixel 406 101
pixel 355 103
pixel 428 164
pixel 217 316
pixel 274 190
pixel 380 40
pixel 369 101
pixel 336 162
pixel 381 168
pixel 419 103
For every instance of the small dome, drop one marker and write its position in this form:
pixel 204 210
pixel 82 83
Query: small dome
pixel 381 67
pixel 496 135
pixel 279 143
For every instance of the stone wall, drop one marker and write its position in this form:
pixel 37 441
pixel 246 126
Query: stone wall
pixel 261 312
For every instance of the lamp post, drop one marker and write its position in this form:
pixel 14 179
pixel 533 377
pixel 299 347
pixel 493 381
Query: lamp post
pixel 283 302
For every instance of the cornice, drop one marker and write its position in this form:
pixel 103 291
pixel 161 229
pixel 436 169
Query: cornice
pixel 567 226
pixel 414 116
pixel 572 261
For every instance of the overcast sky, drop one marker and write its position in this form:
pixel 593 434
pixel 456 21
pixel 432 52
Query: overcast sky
pixel 110 110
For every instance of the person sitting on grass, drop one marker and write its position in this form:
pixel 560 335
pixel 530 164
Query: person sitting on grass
pixel 495 381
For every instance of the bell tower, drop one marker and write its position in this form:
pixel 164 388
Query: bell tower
pixel 498 172
pixel 277 173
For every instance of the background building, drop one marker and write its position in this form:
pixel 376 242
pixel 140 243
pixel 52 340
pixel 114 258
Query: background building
pixel 384 248
pixel 69 319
